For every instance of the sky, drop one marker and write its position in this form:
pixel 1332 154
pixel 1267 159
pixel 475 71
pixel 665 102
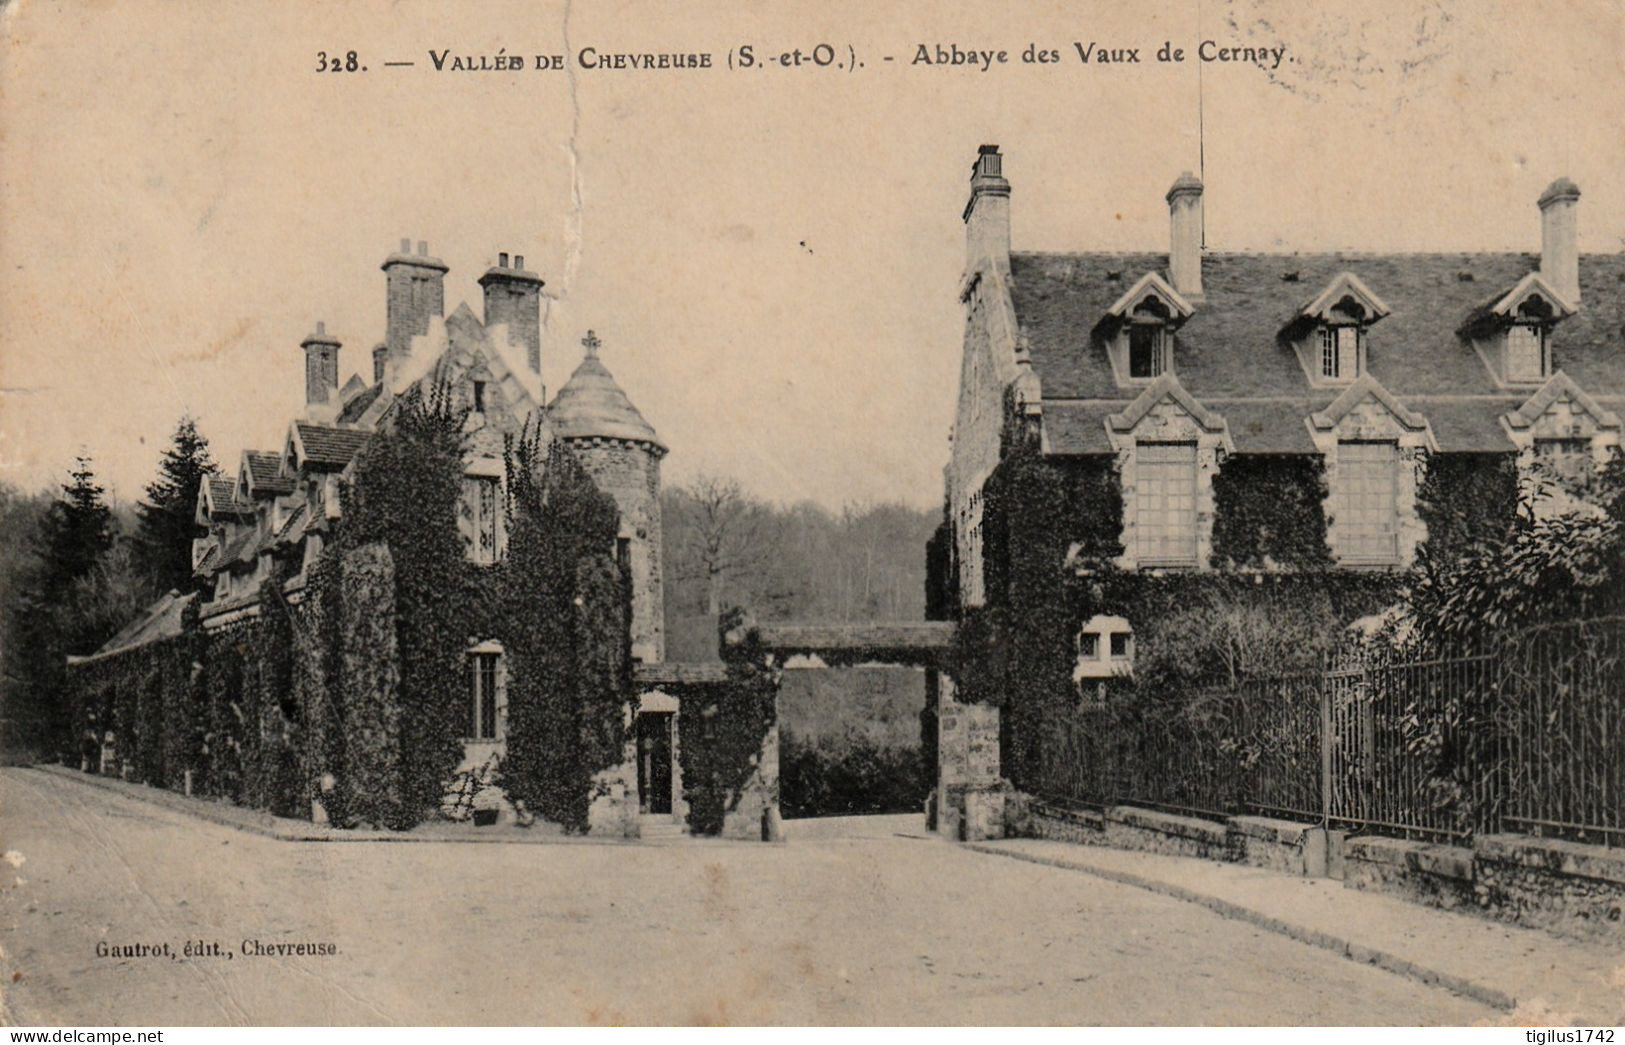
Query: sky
pixel 770 256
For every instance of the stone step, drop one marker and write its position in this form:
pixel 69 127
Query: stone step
pixel 659 825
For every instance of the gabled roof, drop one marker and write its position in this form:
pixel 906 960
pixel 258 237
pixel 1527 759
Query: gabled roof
pixel 263 469
pixel 1150 285
pixel 1366 387
pixel 219 498
pixel 161 620
pixel 354 408
pixel 322 446
pixel 1560 386
pixel 1344 284
pixel 1503 307
pixel 1229 356
pixel 1166 386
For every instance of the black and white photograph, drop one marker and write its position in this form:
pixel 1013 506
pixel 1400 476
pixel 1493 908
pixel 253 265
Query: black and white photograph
pixel 730 514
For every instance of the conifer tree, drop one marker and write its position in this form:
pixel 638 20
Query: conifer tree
pixel 164 538
pixel 43 626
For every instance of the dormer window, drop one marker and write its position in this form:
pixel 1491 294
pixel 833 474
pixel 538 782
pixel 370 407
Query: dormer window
pixel 1329 333
pixel 1340 351
pixel 1138 330
pixel 1147 353
pixel 1512 331
pixel 1528 356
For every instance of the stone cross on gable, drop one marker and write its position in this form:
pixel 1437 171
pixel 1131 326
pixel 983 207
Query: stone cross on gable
pixel 591 343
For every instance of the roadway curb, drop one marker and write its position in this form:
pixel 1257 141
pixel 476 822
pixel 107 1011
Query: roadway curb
pixel 1314 937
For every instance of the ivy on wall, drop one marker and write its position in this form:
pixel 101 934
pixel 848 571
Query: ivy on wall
pixel 722 729
pixel 357 697
pixel 565 621
pixel 1269 514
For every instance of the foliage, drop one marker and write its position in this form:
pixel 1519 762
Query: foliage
pixel 1268 514
pixel 721 734
pixel 848 776
pixel 723 546
pixel 566 632
pixel 167 524
pixel 1538 569
pixel 76 531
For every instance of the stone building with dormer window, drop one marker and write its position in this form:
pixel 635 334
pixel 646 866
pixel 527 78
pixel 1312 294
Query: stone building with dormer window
pixel 262 528
pixel 1150 386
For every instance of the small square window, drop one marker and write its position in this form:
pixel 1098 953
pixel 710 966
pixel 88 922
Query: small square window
pixel 1120 645
pixel 1089 646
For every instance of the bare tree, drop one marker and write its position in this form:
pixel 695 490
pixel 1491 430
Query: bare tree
pixel 724 535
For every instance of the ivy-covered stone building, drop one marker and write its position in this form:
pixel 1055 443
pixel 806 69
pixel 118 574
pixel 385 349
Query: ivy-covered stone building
pixel 1138 432
pixel 441 589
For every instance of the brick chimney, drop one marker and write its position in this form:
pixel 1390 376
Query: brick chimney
pixel 987 214
pixel 513 297
pixel 1560 238
pixel 321 374
pixel 417 290
pixel 1185 236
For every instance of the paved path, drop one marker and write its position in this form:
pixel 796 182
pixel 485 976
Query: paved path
pixel 1547 981
pixel 842 925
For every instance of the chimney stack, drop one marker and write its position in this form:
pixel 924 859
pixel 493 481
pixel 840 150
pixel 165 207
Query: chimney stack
pixel 1185 236
pixel 513 298
pixel 1560 239
pixel 321 374
pixel 416 288
pixel 987 214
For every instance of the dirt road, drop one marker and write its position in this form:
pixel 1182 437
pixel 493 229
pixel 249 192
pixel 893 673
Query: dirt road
pixel 847 923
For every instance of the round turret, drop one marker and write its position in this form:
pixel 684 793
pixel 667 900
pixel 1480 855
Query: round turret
pixel 621 452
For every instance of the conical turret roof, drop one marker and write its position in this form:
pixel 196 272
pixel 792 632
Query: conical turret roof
pixel 592 406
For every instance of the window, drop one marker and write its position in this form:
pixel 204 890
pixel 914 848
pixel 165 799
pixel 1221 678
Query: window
pixel 1339 352
pixel 623 554
pixel 1120 645
pixel 1165 503
pixel 479 397
pixel 318 498
pixel 1089 645
pixel 1366 509
pixel 1145 350
pixel 482 680
pixel 1526 352
pixel 1567 462
pixel 478 508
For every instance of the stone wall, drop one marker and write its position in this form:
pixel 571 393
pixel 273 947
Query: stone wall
pixel 970 800
pixel 1422 872
pixel 755 816
pixel 630 473
pixel 1563 886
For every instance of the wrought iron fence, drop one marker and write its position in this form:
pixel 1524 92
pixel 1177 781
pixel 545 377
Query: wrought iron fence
pixel 1525 734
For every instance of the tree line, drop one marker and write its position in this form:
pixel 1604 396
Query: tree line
pixel 76 570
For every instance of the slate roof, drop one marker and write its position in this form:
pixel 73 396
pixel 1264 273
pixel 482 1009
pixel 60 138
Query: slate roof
pixel 1229 357
pixel 592 405
pixel 223 495
pixel 265 471
pixel 329 447
pixel 161 620
pixel 356 407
